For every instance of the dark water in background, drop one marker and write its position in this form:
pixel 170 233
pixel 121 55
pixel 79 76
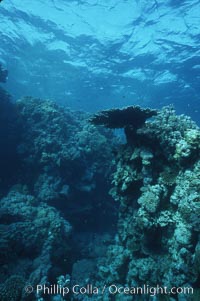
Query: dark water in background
pixel 99 54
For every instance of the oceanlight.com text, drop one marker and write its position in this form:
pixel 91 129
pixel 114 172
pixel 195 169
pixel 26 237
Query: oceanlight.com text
pixel 112 289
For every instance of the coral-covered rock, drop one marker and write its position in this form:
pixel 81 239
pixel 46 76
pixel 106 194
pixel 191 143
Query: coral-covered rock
pixel 63 169
pixel 157 185
pixel 12 289
pixel 66 160
pixel 32 233
pixel 177 136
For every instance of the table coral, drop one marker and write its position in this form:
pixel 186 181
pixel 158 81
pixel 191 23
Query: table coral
pixel 134 116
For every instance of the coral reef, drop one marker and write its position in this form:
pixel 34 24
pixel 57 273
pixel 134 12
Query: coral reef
pixel 177 136
pixel 61 169
pixel 27 225
pixel 54 136
pixel 157 184
pixel 62 158
pixel 133 116
pixel 12 289
pixel 65 166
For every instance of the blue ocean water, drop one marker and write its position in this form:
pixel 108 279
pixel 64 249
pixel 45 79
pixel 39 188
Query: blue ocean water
pixel 100 54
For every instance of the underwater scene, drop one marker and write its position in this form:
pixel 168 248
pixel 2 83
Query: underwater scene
pixel 99 150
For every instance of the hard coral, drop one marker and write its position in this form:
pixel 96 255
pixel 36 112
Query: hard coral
pixel 134 116
pixel 177 136
pixel 37 232
pixel 62 158
pixel 159 205
pixel 12 289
